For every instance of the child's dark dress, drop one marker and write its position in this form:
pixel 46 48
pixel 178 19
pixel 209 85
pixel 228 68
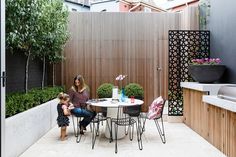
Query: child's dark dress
pixel 62 120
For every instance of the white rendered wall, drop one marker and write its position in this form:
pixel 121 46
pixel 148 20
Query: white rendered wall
pixel 24 129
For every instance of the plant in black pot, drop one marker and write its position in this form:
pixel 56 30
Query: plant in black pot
pixel 104 91
pixel 207 70
pixel 136 91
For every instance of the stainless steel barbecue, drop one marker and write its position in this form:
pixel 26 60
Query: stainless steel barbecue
pixel 227 92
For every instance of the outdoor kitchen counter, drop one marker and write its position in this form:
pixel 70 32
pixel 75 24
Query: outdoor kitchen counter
pixel 212 118
pixel 222 103
pixel 212 89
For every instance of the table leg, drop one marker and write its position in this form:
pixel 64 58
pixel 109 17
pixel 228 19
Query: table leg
pixel 112 113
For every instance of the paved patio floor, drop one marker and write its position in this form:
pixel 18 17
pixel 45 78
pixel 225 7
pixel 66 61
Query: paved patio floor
pixel 181 142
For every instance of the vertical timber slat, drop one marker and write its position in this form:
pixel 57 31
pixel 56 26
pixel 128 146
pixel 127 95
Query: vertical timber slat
pixel 216 125
pixel 103 45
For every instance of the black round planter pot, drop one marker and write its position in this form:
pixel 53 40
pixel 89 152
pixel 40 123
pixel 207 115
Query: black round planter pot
pixel 206 73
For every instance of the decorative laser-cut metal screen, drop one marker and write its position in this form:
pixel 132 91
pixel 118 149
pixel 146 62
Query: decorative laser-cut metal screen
pixel 183 47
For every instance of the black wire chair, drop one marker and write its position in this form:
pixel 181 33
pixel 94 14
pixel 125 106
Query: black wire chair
pixel 160 128
pixel 100 117
pixel 122 120
pixel 132 111
pixel 76 127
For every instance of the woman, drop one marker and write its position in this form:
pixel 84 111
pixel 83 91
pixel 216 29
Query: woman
pixel 79 95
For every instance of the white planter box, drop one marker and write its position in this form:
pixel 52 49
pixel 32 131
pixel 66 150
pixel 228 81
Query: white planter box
pixel 24 129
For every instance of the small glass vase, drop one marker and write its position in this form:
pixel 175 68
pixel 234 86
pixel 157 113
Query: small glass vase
pixel 122 98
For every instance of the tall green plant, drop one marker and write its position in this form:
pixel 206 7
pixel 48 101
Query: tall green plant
pixel 22 28
pixel 53 20
pixel 36 28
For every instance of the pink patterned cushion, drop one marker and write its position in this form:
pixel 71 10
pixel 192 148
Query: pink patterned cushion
pixel 155 108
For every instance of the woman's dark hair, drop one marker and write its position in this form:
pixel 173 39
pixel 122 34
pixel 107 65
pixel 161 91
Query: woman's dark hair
pixel 81 80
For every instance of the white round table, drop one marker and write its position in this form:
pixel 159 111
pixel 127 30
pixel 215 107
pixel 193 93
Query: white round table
pixel 112 109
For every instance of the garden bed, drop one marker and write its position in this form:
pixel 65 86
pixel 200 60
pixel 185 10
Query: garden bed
pixel 28 117
pixel 25 128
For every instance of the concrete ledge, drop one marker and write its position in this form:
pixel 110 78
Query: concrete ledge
pixel 24 129
pixel 175 119
pixel 211 88
pixel 222 103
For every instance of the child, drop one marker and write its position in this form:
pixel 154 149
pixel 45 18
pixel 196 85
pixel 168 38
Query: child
pixel 63 109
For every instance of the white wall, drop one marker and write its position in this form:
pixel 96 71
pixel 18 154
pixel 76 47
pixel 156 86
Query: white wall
pixel 111 6
pixel 77 7
pixel 24 129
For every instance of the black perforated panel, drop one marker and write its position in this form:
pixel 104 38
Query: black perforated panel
pixel 183 47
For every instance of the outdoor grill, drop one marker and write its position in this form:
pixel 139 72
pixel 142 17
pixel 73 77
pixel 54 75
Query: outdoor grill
pixel 227 92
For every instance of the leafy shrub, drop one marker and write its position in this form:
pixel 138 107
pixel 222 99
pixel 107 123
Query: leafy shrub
pixel 19 102
pixel 105 90
pixel 134 89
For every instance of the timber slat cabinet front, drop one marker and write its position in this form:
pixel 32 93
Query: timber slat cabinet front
pixel 216 125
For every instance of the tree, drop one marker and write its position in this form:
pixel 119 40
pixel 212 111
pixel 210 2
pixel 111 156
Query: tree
pixel 22 17
pixel 36 28
pixel 53 59
pixel 53 21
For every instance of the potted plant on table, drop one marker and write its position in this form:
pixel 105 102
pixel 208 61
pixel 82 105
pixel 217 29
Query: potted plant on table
pixel 206 70
pixel 136 91
pixel 105 91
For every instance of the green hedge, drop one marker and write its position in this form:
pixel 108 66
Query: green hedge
pixel 19 102
pixel 105 90
pixel 134 89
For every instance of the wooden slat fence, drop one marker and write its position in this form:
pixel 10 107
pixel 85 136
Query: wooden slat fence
pixel 103 45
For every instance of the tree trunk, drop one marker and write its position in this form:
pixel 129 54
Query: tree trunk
pixel 53 75
pixel 44 63
pixel 27 72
